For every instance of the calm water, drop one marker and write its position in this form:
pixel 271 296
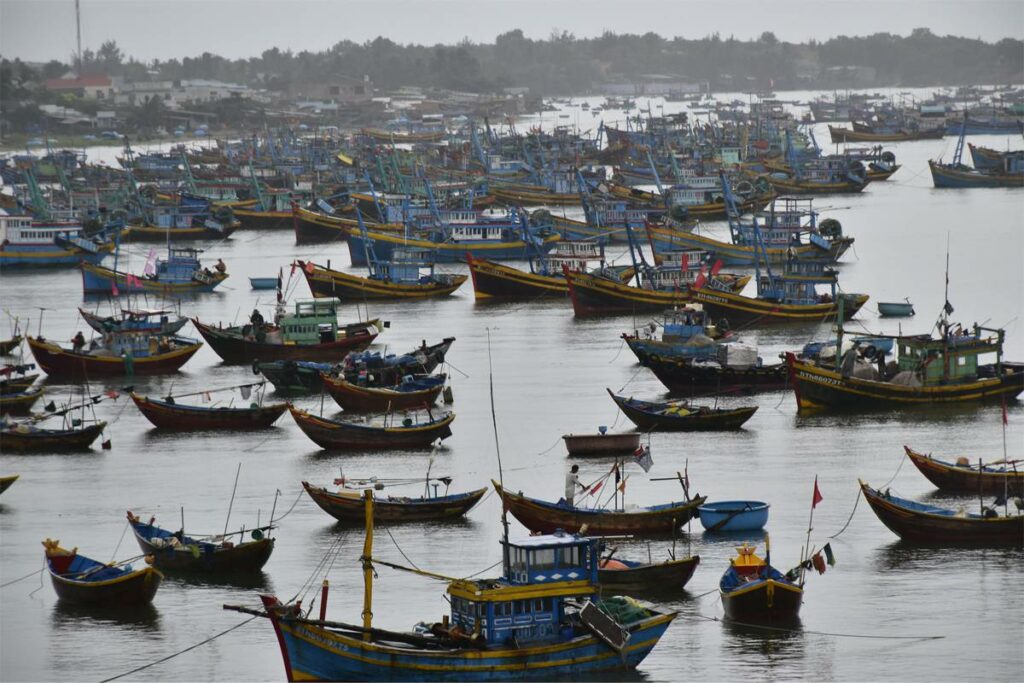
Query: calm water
pixel 550 372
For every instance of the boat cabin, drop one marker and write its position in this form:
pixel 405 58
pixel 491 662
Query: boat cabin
pixel 528 603
pixel 682 324
pixel 315 321
pixel 949 358
pixel 181 265
pixel 18 230
pixel 405 265
pixel 798 284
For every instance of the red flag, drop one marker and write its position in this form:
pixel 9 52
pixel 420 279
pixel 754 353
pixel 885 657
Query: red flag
pixel 817 497
pixel 594 489
pixel 1006 420
pixel 715 268
pixel 111 393
pixel 699 282
pixel 685 263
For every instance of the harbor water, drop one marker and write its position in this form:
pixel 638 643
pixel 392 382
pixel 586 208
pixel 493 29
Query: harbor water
pixel 886 610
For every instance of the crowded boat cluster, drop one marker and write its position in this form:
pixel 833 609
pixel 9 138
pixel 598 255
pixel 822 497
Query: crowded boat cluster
pixel 613 221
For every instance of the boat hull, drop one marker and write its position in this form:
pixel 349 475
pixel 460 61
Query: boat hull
pixel 739 255
pixel 537 515
pixel 354 398
pixel 136 588
pixel 314 653
pixel 589 445
pixel 351 507
pixel 671 575
pixel 947 177
pixel 19 402
pixel 680 375
pixel 745 310
pixel 332 283
pixel 931 529
pixel 443 252
pixel 235 349
pixel 949 477
pixel 59 362
pixel 764 600
pixel 12 256
pixel 818 388
pixel 173 417
pixel 715 420
pixel 100 280
pixel 333 435
pixel 497 281
pixel 244 558
pixel 841 135
pixel 50 440
pixel 8 481
pixel 593 295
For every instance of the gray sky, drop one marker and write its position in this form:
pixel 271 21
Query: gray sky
pixel 39 30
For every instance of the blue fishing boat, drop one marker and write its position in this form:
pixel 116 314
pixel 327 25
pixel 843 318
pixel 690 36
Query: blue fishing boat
pixel 686 333
pixel 543 618
pixel 153 321
pixel 179 273
pixel 752 590
pixel 79 579
pixel 1008 172
pixel 733 515
pixel 27 241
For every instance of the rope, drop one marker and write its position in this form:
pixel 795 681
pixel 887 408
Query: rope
pixel 14 581
pixel 289 509
pixel 817 633
pixel 617 353
pixel 549 449
pixel 402 552
pixel 180 652
pixel 486 569
pixel 126 525
pixel 850 519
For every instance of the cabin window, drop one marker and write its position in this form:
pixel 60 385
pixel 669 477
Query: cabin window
pixel 961 361
pixel 569 557
pixel 503 609
pixel 538 605
pixel 543 558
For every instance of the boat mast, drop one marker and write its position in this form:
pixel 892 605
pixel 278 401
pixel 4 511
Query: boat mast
pixel 367 560
pixel 78 29
pixel 497 450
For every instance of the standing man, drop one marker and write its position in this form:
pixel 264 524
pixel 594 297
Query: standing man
pixel 572 482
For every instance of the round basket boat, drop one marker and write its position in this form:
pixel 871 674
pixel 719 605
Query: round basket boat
pixel 734 515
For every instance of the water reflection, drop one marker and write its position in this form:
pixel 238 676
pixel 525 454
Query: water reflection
pixel 903 557
pixel 259 581
pixel 778 646
pixel 68 616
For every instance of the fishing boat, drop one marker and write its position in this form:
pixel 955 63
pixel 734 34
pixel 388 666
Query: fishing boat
pixel 26 241
pixel 8 481
pixel 927 371
pixel 754 591
pixel 997 478
pixel 680 416
pixel 898 309
pixel 546 276
pixel 75 434
pixel 542 619
pixel 787 297
pixel 294 376
pixel 638 577
pixel 19 402
pixel 16 378
pixel 350 435
pixel 180 217
pixel 312 332
pixel 79 579
pixel 121 354
pixel 844 135
pixel 153 321
pixel 1008 173
pixel 601 444
pixel 542 516
pixel 371 369
pixel 408 275
pixel 9 345
pixel 173 551
pixel 736 368
pixel 986 158
pixel 733 515
pixel 179 273
pixel 346 505
pixel 410 394
pixel 169 414
pixel 657 288
pixel 929 524
pixel 686 333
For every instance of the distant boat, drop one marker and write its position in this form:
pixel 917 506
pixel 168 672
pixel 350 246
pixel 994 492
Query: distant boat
pixel 170 415
pixel 121 354
pixel 79 579
pixel 350 435
pixel 179 273
pixel 652 416
pixel 176 552
pixel 971 478
pixel 348 506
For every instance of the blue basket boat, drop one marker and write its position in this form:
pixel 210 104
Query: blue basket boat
pixel 733 515
pixel 263 282
pixel 896 309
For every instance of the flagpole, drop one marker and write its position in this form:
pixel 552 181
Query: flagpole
pixel 805 554
pixel 1006 465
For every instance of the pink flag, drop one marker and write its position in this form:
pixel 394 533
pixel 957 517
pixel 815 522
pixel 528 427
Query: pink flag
pixel 113 288
pixel 150 268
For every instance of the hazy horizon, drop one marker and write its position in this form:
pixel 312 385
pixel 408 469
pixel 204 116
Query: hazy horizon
pixel 240 28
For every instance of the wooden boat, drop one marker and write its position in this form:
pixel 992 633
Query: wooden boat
pixel 595 294
pixel 588 445
pixel 393 281
pixel 337 435
pixel 683 375
pixel 348 506
pixel 899 309
pixel 552 638
pixel 154 321
pixel 545 517
pixel 19 402
pixel 708 211
pixel 546 277
pixel 64 363
pixel 680 416
pixel 733 515
pixel 522 196
pixel 922 523
pixel 964 477
pixel 13 385
pixel 79 579
pixel 416 393
pixel 927 371
pixel 371 369
pixel 630 576
pixel 959 176
pixel 176 552
pixel 25 438
pixel 186 418
pixel 410 137
pixel 754 591
pixel 8 345
pixel 8 481
pixel 841 135
pixel 98 279
pixel 312 332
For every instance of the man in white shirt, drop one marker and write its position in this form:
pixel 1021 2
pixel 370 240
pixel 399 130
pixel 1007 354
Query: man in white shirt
pixel 572 482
